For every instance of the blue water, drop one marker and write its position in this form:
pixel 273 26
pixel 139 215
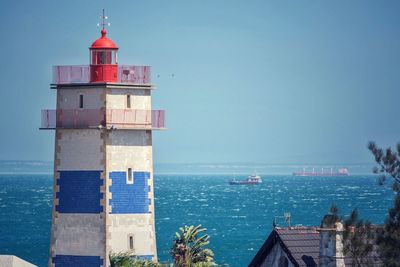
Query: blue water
pixel 238 218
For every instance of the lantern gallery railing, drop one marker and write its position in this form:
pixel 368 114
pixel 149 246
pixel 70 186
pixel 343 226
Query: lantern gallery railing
pixel 99 118
pixel 139 75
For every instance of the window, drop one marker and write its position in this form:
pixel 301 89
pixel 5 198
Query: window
pixel 129 177
pixel 131 242
pixel 128 101
pixel 80 101
pixel 99 57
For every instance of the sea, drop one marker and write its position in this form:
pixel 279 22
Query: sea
pixel 237 218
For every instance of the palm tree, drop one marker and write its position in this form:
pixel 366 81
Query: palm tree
pixel 188 247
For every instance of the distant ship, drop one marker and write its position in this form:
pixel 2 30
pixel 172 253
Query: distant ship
pixel 324 172
pixel 252 179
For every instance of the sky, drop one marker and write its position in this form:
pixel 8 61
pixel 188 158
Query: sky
pixel 273 82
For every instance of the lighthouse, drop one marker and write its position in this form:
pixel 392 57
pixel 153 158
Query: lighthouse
pixel 103 199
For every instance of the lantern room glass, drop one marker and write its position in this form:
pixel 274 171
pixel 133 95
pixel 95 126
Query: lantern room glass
pixel 103 56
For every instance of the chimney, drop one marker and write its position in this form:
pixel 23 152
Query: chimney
pixel 331 242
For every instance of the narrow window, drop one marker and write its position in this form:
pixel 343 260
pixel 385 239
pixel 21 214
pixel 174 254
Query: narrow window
pixel 93 57
pixel 114 57
pixel 102 59
pixel 80 101
pixel 128 101
pixel 131 242
pixel 129 178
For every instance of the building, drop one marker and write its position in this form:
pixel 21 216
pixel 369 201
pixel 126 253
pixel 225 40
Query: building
pixel 13 261
pixel 103 166
pixel 291 246
pixel 308 247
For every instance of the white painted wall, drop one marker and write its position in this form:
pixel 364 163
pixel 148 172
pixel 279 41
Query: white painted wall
pixel 140 225
pixel 79 234
pixel 140 98
pixel 129 149
pixel 93 98
pixel 80 149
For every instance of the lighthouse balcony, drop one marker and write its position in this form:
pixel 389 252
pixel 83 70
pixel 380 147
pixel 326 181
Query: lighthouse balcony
pixel 132 75
pixel 103 118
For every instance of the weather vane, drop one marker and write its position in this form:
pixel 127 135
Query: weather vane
pixel 103 22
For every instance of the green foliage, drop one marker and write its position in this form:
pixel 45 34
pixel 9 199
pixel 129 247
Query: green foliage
pixel 128 259
pixel 358 237
pixel 333 216
pixel 188 249
pixel 388 164
pixel 389 237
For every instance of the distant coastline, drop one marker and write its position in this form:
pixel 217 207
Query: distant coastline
pixel 25 167
pixel 46 167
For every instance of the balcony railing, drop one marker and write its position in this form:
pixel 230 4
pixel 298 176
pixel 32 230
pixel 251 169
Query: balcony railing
pixel 98 118
pixel 139 75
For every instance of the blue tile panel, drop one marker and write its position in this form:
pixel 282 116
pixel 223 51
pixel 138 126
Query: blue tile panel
pixel 77 261
pixel 129 198
pixel 79 192
pixel 145 257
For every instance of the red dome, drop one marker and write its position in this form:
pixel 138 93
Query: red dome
pixel 103 42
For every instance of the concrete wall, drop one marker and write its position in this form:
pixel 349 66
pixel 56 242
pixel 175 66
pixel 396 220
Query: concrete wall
pixel 80 149
pixel 80 238
pixel 327 248
pixel 140 225
pixel 140 98
pixel 130 149
pixel 78 220
pixel 13 261
pixel 331 245
pixel 79 234
pixel 93 98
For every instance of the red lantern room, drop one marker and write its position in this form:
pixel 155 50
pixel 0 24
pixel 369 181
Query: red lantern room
pixel 103 60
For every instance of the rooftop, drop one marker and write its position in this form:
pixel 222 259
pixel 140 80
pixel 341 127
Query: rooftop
pixel 301 244
pixel 104 42
pixel 302 247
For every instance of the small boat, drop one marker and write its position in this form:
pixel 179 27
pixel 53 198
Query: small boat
pixel 252 179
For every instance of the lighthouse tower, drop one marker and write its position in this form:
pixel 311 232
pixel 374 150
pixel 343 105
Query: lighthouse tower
pixel 103 166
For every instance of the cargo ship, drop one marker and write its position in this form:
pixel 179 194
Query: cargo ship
pixel 323 172
pixel 251 180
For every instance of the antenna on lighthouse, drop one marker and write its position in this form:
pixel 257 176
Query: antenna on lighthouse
pixel 103 22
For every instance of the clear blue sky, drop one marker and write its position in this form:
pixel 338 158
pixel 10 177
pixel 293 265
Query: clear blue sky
pixel 254 81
